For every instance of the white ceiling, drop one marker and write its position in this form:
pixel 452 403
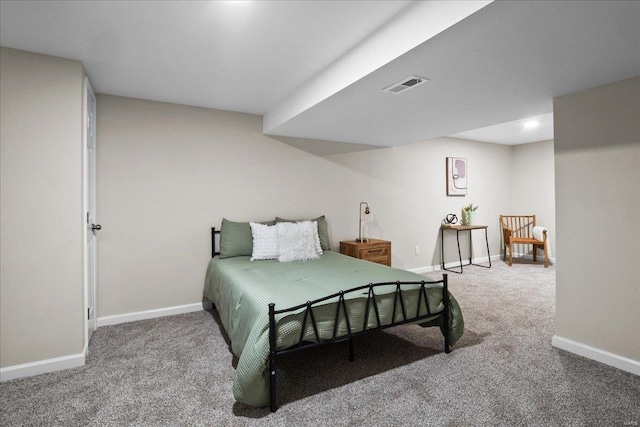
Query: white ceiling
pixel 522 131
pixel 236 56
pixel 316 69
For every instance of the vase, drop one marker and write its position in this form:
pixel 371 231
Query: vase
pixel 467 217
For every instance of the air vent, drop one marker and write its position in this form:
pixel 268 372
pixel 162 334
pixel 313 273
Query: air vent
pixel 405 84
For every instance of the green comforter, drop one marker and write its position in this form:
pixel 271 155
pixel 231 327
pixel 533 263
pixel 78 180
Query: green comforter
pixel 241 291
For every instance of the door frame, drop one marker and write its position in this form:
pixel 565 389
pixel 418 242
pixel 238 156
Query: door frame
pixel 88 91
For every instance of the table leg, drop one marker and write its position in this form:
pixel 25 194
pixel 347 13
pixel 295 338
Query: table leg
pixel 442 247
pixel 486 239
pixel 459 254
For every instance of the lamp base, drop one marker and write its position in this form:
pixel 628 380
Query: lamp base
pixel 362 240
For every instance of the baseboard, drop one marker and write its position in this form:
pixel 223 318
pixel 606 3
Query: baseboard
pixel 76 360
pixel 456 265
pixel 42 367
pixel 602 356
pixel 148 314
pixel 529 257
pixel 453 265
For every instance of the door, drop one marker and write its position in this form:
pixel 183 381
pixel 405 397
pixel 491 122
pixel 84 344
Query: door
pixel 90 210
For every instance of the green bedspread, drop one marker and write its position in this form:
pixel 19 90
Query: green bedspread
pixel 241 291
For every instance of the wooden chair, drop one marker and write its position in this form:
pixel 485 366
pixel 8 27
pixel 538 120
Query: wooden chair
pixel 519 230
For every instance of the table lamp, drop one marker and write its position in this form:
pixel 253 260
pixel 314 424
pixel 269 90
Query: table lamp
pixel 363 218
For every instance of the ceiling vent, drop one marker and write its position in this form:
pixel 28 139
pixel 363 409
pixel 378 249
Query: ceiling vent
pixel 405 84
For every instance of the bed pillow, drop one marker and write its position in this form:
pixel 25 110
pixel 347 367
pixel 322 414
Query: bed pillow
pixel 316 237
pixel 296 241
pixel 236 238
pixel 265 241
pixel 323 231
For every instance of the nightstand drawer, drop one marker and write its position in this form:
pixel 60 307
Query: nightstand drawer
pixel 375 250
pixel 380 260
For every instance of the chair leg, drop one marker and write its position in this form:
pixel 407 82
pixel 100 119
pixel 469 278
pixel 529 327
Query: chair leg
pixel 535 253
pixel 546 262
pixel 510 254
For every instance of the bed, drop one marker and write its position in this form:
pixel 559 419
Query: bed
pixel 270 308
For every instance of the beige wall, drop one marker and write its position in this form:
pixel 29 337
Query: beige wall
pixel 166 173
pixel 597 151
pixel 41 269
pixel 532 186
pixel 406 189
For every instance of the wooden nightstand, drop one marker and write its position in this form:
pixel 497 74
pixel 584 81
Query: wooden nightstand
pixel 375 250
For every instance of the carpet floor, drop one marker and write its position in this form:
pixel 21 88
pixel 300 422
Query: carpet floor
pixel 178 370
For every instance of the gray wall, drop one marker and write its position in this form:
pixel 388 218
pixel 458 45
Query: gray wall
pixel 597 152
pixel 166 173
pixel 41 264
pixel 532 188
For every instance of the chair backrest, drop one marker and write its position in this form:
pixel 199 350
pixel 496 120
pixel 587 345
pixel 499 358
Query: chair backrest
pixel 521 226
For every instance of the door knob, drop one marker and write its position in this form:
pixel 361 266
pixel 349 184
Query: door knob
pixel 96 227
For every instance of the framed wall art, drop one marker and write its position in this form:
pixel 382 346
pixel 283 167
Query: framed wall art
pixel 456 176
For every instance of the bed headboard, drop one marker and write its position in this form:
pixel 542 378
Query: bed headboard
pixel 214 252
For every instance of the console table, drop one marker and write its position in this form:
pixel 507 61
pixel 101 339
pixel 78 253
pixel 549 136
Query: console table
pixel 458 229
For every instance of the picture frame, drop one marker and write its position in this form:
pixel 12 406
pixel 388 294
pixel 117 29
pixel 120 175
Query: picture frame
pixel 457 175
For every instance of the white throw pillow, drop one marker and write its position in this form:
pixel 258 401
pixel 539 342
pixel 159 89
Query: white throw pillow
pixel 316 237
pixel 265 241
pixel 296 241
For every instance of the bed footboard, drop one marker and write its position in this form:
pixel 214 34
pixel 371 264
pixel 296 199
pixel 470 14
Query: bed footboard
pixel 355 330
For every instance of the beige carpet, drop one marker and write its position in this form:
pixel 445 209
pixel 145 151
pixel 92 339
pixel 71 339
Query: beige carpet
pixel 504 372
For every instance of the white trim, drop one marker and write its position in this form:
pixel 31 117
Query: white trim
pixel 422 270
pixel 42 367
pixel 148 314
pixel 602 356
pixel 83 219
pixel 455 264
pixel 76 360
pixel 529 257
pixel 88 93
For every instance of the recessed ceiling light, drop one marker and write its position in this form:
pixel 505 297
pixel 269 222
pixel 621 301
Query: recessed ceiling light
pixel 237 2
pixel 531 124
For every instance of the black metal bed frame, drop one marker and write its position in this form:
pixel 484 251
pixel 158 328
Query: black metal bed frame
pixel 213 242
pixel 342 306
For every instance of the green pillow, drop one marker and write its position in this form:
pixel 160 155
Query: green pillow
pixel 236 238
pixel 323 230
